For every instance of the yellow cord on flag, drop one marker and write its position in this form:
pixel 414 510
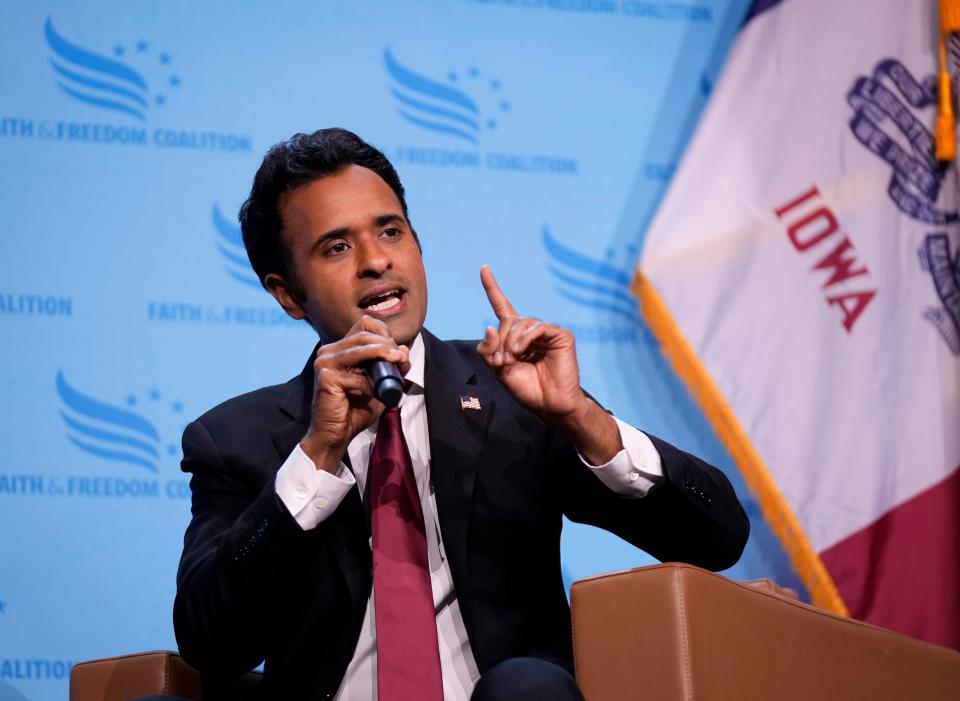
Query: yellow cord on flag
pixel 949 16
pixel 783 522
pixel 945 136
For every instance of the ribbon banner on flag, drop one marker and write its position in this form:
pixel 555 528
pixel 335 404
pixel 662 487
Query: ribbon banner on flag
pixel 803 276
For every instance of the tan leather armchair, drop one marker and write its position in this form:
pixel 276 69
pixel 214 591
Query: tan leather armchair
pixel 668 632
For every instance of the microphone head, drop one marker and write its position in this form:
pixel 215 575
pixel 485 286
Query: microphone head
pixel 387 382
pixel 389 390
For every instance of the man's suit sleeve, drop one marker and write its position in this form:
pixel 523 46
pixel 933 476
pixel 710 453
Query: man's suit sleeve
pixel 692 515
pixel 239 549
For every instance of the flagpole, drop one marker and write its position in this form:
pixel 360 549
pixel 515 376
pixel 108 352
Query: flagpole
pixel 783 522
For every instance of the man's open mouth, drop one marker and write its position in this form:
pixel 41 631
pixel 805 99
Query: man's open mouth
pixel 383 301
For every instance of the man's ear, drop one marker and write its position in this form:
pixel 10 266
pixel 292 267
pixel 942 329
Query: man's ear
pixel 283 293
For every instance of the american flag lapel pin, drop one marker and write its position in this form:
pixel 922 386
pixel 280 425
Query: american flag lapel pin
pixel 467 402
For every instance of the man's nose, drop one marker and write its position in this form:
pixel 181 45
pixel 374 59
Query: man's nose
pixel 373 259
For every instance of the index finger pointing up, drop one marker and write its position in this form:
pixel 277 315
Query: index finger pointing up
pixel 501 307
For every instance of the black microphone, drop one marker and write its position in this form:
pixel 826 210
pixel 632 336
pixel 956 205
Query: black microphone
pixel 387 382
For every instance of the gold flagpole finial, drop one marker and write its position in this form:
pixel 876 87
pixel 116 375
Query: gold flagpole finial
pixel 944 130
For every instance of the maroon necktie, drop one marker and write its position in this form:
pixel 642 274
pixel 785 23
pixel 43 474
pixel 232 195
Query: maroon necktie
pixel 408 657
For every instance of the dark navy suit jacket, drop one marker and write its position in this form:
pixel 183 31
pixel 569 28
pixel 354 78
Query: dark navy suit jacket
pixel 253 586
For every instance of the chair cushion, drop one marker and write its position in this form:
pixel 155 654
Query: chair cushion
pixel 128 676
pixel 675 632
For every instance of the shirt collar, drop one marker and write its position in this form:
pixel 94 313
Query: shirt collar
pixel 415 373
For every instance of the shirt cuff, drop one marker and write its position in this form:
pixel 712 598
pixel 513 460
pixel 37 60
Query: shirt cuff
pixel 633 471
pixel 309 494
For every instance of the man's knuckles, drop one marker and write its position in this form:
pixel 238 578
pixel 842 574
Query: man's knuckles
pixel 328 378
pixel 332 378
pixel 360 338
pixel 369 324
pixel 358 351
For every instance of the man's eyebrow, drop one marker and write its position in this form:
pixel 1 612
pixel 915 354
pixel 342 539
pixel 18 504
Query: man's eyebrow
pixel 332 234
pixel 384 219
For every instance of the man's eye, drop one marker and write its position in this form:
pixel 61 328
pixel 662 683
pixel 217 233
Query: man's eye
pixel 334 249
pixel 392 232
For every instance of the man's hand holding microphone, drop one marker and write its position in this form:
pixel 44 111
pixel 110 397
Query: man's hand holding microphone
pixel 344 403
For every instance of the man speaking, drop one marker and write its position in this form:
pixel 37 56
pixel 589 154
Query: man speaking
pixel 410 552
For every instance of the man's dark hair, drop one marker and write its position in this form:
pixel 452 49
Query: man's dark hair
pixel 293 163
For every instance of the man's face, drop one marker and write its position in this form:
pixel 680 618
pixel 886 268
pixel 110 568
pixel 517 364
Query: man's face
pixel 353 253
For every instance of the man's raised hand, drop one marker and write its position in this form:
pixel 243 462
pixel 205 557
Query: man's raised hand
pixel 534 360
pixel 537 363
pixel 343 401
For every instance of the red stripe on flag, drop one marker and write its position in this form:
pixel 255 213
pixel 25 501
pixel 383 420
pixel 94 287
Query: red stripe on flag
pixel 903 571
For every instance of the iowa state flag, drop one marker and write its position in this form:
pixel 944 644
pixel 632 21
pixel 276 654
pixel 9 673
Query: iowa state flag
pixel 802 276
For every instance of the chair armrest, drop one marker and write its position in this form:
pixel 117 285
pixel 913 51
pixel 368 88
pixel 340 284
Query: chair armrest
pixel 128 676
pixel 678 633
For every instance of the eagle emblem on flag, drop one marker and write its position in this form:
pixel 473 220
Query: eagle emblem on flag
pixel 885 115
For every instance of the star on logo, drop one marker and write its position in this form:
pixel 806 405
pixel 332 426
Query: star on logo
pixel 464 106
pixel 138 434
pixel 116 78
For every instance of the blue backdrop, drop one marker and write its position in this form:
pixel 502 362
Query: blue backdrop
pixel 533 135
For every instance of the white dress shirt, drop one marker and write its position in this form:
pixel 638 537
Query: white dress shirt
pixel 311 495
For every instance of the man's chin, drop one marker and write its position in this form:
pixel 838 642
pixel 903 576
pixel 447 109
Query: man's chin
pixel 404 332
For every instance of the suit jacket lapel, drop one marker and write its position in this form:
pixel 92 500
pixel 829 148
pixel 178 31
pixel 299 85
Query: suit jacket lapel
pixel 457 438
pixel 295 406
